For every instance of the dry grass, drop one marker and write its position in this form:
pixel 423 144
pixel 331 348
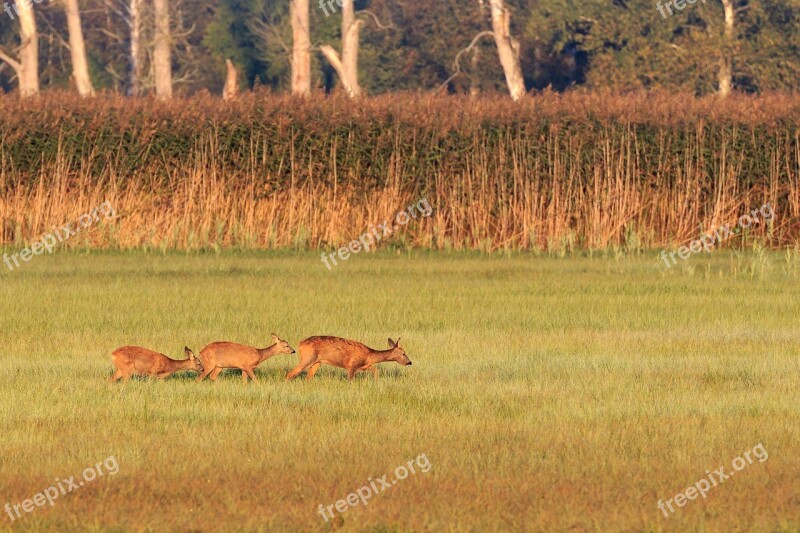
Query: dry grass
pixel 562 172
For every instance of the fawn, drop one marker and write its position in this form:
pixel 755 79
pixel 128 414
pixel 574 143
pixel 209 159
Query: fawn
pixel 351 355
pixel 219 355
pixel 130 360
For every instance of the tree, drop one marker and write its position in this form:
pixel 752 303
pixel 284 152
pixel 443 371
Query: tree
pixel 229 91
pixel 233 33
pixel 77 49
pixel 431 33
pixel 725 75
pixel 27 66
pixel 135 24
pixel 507 49
pixel 162 50
pixel 346 66
pixel 628 44
pixel 704 47
pixel 767 50
pixel 301 48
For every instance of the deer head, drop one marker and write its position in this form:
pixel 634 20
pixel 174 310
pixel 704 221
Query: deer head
pixel 280 346
pixel 398 354
pixel 192 362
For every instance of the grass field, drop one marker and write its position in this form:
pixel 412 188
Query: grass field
pixel 548 394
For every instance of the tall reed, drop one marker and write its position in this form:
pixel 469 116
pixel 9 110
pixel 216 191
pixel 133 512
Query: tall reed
pixel 574 171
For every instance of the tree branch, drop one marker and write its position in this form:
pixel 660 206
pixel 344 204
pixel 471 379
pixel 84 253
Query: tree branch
pixel 378 23
pixel 11 61
pixel 64 43
pixel 457 61
pixel 267 32
pixel 333 58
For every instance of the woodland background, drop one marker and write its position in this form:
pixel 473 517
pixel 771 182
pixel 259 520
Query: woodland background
pixel 412 44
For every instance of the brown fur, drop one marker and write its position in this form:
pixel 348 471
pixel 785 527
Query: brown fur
pixel 350 355
pixel 219 355
pixel 133 360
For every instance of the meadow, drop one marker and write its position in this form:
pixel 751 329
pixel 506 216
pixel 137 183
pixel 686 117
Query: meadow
pixel 548 393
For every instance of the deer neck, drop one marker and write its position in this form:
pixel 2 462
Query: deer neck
pixel 266 353
pixel 378 356
pixel 180 364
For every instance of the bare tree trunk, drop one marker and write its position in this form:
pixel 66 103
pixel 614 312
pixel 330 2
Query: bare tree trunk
pixel 333 58
pixel 27 67
pixel 77 49
pixel 725 74
pixel 29 53
pixel 474 88
pixel 301 48
pixel 346 65
pixel 350 43
pixel 135 10
pixel 507 49
pixel 229 92
pixel 162 57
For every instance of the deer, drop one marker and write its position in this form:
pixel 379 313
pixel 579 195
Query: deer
pixel 134 360
pixel 220 355
pixel 348 354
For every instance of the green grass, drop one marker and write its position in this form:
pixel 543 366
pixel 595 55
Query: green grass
pixel 548 394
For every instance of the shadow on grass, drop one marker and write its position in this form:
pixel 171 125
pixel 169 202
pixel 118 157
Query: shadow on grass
pixel 178 376
pixel 279 374
pixel 339 374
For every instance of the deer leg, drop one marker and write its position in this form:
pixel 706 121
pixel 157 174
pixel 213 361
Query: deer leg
pixel 312 371
pixel 215 373
pixel 374 371
pixel 299 368
pixel 116 377
pixel 351 372
pixel 249 373
pixel 206 371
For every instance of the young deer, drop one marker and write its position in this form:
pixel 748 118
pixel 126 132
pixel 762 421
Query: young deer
pixel 133 360
pixel 350 355
pixel 219 355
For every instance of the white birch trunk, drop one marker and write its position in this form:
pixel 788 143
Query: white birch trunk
pixel 162 53
pixel 725 74
pixel 77 46
pixel 27 66
pixel 135 9
pixel 507 49
pixel 350 44
pixel 301 48
pixel 229 92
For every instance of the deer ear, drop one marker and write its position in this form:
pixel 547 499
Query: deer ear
pixel 275 339
pixel 392 344
pixel 188 352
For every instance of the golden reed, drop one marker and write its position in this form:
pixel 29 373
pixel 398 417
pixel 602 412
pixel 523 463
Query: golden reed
pixel 561 172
